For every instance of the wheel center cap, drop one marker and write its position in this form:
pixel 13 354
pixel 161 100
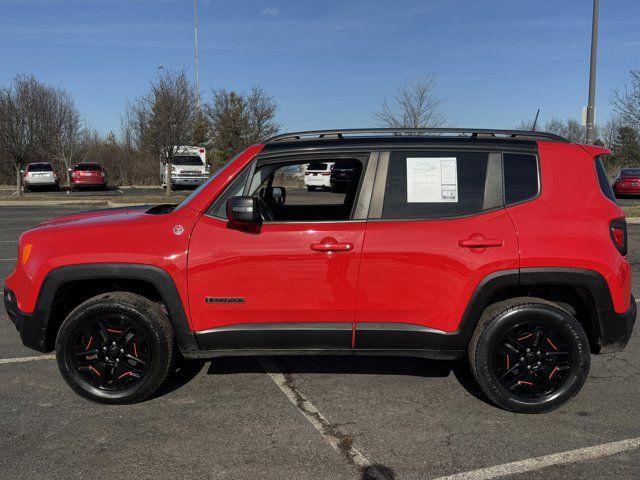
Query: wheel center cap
pixel 113 351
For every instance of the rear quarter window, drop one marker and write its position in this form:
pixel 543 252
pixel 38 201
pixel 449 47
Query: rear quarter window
pixel 521 181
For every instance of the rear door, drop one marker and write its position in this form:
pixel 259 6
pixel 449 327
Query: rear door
pixel 437 228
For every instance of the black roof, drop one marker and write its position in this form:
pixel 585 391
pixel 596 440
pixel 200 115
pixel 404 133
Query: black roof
pixel 409 133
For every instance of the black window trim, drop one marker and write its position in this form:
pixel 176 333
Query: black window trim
pixel 361 201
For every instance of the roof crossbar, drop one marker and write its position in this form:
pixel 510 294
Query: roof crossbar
pixel 383 132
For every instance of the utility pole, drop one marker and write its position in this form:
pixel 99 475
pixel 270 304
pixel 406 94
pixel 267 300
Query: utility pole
pixel 197 64
pixel 591 106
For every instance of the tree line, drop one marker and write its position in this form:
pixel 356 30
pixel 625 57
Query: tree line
pixel 40 122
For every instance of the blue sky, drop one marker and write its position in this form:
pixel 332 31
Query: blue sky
pixel 329 63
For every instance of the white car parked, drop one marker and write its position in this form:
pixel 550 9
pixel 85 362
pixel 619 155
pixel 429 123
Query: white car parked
pixel 318 175
pixel 40 174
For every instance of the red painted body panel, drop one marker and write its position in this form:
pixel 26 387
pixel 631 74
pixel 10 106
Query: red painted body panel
pixel 568 224
pixel 116 236
pixel 276 271
pixel 417 272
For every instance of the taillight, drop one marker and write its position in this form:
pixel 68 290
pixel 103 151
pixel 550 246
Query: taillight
pixel 326 174
pixel 618 232
pixel 307 173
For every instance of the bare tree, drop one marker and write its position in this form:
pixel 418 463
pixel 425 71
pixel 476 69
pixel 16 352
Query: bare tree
pixel 570 129
pixel 626 101
pixel 414 105
pixel 238 120
pixel 164 118
pixel 261 111
pixel 66 131
pixel 36 121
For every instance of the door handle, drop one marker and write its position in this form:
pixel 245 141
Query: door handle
pixel 330 244
pixel 481 242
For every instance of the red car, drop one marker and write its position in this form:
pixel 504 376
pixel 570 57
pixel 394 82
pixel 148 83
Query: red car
pixel 445 243
pixel 88 175
pixel 628 182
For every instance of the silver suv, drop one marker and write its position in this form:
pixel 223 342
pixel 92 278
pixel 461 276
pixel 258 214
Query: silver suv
pixel 40 174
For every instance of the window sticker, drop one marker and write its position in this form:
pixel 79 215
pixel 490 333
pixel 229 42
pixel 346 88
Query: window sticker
pixel 432 180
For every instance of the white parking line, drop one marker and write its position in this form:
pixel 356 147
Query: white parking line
pixel 26 359
pixel 8 259
pixel 327 431
pixel 9 241
pixel 537 463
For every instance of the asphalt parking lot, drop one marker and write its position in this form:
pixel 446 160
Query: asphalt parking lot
pixel 308 417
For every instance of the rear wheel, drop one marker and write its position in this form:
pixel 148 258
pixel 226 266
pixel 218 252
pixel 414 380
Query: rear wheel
pixel 310 188
pixel 115 348
pixel 529 355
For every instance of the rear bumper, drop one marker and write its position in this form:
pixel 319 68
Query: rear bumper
pixel 32 327
pixel 616 328
pixel 88 182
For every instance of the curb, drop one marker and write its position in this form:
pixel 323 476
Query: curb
pixel 633 221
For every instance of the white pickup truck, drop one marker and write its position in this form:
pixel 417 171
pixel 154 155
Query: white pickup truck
pixel 189 167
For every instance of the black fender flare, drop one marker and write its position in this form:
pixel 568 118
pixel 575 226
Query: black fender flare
pixel 156 276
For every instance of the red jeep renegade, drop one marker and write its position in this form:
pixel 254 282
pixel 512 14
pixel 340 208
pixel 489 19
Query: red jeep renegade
pixel 505 246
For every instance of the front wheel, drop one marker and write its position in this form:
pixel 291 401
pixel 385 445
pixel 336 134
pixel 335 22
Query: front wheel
pixel 529 355
pixel 115 348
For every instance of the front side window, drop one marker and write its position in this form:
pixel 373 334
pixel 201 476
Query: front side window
pixel 429 184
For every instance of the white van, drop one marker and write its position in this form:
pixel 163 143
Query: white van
pixel 189 167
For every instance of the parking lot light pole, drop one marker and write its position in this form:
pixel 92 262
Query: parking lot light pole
pixel 197 62
pixel 591 106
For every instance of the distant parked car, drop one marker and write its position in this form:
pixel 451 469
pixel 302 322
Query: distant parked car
pixel 40 174
pixel 88 174
pixel 628 182
pixel 318 175
pixel 342 175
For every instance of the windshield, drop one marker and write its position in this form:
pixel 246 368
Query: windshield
pixel 87 166
pixel 40 167
pixel 211 178
pixel 191 160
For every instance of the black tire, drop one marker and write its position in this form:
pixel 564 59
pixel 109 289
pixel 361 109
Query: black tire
pixel 27 189
pixel 529 355
pixel 310 188
pixel 143 346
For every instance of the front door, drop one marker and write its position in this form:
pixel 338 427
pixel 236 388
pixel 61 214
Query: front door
pixel 291 282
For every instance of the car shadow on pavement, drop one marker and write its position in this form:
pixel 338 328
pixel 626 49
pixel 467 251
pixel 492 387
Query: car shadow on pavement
pixel 182 372
pixel 355 365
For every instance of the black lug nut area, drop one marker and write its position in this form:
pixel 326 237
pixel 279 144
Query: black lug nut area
pixel 532 360
pixel 111 353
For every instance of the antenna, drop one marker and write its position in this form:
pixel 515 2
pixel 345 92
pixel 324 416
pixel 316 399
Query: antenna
pixel 197 64
pixel 535 122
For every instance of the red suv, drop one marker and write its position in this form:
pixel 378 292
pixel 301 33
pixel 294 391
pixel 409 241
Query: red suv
pixel 88 175
pixel 445 243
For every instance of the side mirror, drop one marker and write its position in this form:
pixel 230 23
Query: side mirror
pixel 279 195
pixel 243 210
pixel 69 170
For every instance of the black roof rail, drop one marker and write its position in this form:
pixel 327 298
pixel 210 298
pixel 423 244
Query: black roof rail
pixel 381 132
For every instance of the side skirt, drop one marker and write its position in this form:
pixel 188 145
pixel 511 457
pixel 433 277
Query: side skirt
pixel 244 352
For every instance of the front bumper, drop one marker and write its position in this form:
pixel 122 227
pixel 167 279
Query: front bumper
pixel 32 327
pixel 188 180
pixel 616 328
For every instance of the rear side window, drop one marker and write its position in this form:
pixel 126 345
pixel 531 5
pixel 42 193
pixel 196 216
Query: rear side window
pixel 520 177
pixel 603 180
pixel 441 184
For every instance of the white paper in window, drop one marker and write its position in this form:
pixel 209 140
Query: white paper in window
pixel 432 180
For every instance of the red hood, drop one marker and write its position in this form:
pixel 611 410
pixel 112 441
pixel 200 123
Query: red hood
pixel 98 216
